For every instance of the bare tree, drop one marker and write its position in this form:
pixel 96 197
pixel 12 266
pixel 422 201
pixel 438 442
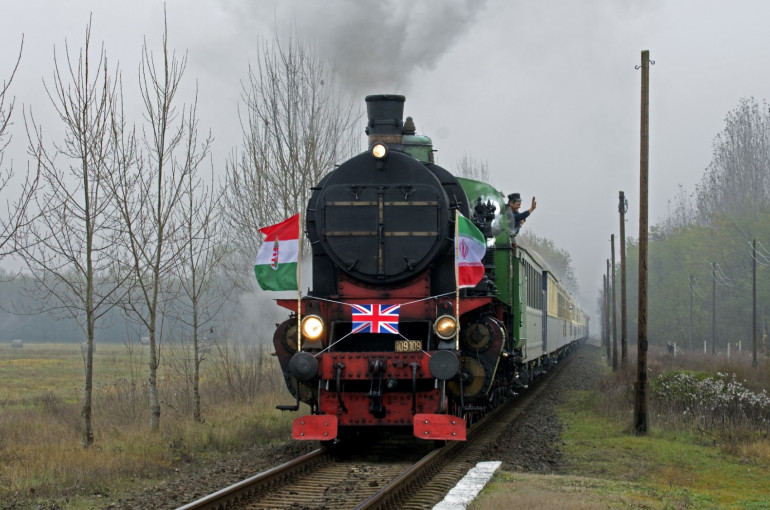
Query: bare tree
pixel 473 168
pixel 296 126
pixel 70 247
pixel 201 250
pixel 682 212
pixel 559 260
pixel 16 217
pixel 737 181
pixel 148 194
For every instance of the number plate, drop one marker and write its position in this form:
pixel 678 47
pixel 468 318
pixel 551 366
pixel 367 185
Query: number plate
pixel 408 345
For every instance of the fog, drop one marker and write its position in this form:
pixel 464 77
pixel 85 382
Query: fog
pixel 545 92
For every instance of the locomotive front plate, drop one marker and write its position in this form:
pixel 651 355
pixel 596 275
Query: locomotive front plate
pixel 408 345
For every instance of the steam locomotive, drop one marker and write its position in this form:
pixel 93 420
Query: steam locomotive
pixel 387 341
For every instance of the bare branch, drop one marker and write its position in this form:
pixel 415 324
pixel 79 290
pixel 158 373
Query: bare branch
pixel 472 168
pixel 737 181
pixel 17 216
pixel 70 246
pixel 149 189
pixel 296 125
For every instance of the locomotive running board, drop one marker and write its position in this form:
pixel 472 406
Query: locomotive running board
pixel 320 427
pixel 439 426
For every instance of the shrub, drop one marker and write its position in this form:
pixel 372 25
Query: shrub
pixel 710 403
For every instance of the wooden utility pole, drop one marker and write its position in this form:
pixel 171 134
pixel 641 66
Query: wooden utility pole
pixel 614 307
pixel 622 208
pixel 692 343
pixel 607 321
pixel 640 404
pixel 604 310
pixel 713 309
pixel 754 303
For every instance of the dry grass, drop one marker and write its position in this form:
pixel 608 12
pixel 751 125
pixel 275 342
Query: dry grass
pixel 759 450
pixel 40 450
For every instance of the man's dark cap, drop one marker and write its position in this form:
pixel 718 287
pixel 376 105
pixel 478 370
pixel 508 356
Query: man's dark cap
pixel 514 197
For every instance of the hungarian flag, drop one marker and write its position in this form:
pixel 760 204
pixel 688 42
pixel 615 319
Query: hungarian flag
pixel 375 318
pixel 471 248
pixel 276 265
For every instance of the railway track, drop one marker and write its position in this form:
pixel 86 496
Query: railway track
pixel 394 474
pixel 324 478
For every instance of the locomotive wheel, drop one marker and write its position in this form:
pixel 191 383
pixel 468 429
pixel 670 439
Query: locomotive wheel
pixel 289 338
pixel 474 378
pixel 524 376
pixel 477 336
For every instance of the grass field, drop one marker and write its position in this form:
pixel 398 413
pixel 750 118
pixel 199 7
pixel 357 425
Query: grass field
pixel 41 388
pixel 667 469
pixel 55 368
pixel 674 466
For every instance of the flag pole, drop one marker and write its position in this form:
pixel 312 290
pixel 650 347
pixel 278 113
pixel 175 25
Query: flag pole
pixel 457 281
pixel 299 283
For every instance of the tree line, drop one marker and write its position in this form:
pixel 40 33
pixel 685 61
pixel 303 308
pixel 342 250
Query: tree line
pixel 122 216
pixel 701 257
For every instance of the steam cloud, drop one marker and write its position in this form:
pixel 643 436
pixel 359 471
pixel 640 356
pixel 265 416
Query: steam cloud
pixel 373 46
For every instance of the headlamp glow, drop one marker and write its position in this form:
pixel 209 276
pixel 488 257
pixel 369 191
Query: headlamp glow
pixel 445 327
pixel 313 327
pixel 379 150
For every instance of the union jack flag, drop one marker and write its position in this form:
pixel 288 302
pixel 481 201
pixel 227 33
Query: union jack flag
pixel 375 318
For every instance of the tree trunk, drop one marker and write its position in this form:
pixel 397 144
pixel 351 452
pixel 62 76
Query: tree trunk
pixel 196 381
pixel 88 433
pixel 154 399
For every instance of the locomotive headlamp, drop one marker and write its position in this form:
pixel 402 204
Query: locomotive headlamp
pixel 312 327
pixel 445 327
pixel 379 150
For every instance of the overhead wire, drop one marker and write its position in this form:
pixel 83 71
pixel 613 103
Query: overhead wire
pixel 767 252
pixel 720 277
pixel 695 288
pixel 764 256
pixel 765 262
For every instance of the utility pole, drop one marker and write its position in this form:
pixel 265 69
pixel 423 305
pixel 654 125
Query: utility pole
pixel 607 313
pixel 713 309
pixel 614 318
pixel 604 309
pixel 640 403
pixel 692 344
pixel 754 303
pixel 622 208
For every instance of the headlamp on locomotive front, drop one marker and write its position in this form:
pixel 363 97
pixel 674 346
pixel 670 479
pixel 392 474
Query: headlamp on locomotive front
pixel 313 327
pixel 445 327
pixel 379 150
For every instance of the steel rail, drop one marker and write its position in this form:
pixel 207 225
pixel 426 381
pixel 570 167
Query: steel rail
pixel 429 465
pixel 399 489
pixel 393 494
pixel 245 488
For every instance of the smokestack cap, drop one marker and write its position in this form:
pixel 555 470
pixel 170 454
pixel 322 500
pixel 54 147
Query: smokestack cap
pixel 386 114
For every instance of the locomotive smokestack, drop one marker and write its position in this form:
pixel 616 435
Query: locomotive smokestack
pixel 386 125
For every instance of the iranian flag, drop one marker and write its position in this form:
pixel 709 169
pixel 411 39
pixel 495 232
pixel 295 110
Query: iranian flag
pixel 276 265
pixel 470 249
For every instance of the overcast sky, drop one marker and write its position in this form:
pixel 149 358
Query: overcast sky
pixel 545 92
